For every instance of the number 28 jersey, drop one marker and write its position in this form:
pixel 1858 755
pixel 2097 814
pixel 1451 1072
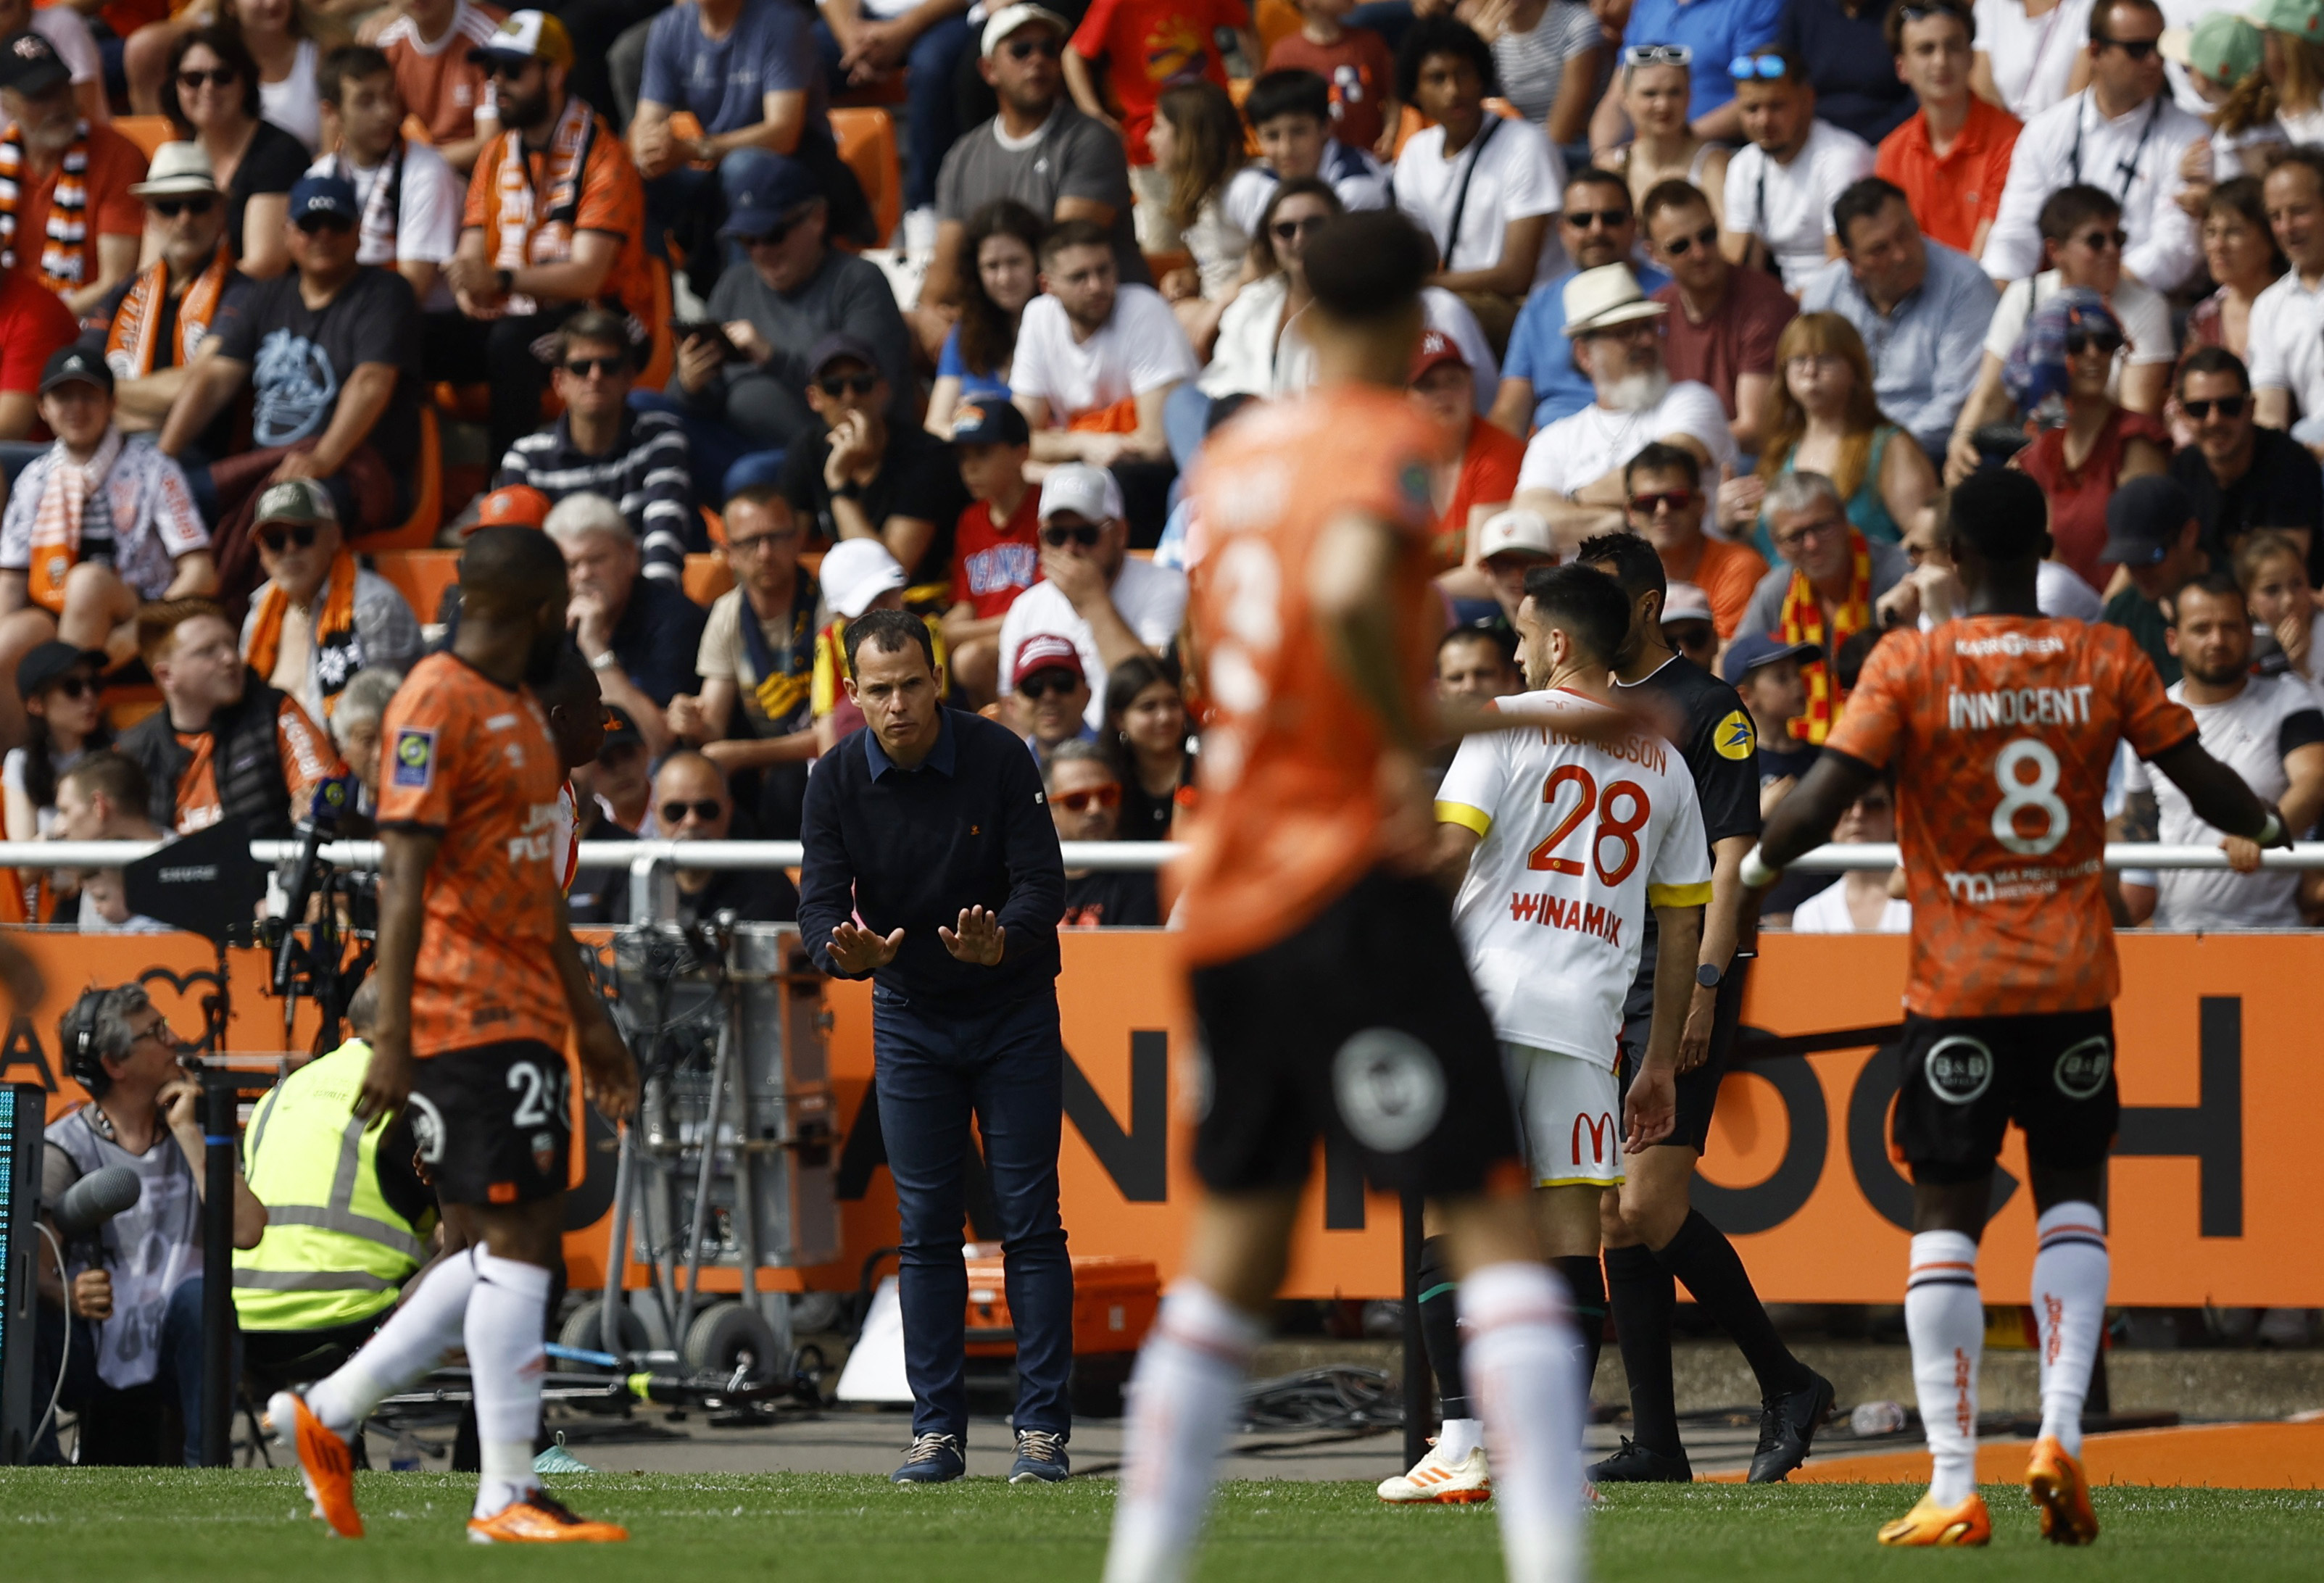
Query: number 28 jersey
pixel 2002 729
pixel 1580 841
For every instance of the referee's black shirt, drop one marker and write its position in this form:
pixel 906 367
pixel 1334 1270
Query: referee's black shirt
pixel 909 849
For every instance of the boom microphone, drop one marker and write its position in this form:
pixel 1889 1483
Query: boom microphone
pixel 333 796
pixel 94 1200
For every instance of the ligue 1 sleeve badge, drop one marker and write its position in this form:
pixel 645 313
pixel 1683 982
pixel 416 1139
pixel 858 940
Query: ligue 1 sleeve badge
pixel 415 758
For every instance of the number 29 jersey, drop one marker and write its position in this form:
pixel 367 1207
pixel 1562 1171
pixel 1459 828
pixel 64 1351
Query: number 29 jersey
pixel 1580 841
pixel 2002 729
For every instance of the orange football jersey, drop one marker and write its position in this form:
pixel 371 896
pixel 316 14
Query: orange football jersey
pixel 1290 811
pixel 2002 729
pixel 465 756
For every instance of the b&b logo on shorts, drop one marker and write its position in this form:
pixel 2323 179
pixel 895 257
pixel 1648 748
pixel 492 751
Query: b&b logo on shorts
pixel 415 758
pixel 1960 1070
pixel 1389 1088
pixel 2081 1071
pixel 544 1153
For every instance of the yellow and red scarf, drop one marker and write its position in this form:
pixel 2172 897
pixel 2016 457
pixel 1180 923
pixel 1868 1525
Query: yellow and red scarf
pixel 65 250
pixel 1804 623
pixel 338 651
pixel 531 232
pixel 132 341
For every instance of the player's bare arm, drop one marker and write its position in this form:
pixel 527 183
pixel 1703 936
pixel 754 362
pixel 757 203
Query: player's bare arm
pixel 1651 1110
pixel 1803 821
pixel 407 855
pixel 1722 933
pixel 609 1073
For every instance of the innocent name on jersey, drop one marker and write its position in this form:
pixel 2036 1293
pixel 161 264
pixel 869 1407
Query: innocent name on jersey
pixel 2016 706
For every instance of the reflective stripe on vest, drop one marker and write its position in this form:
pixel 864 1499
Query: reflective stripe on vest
pixel 332 1253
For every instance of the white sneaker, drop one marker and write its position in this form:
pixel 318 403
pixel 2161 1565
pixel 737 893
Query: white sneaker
pixel 1433 1480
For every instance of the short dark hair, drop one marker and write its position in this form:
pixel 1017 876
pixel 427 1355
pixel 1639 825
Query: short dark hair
pixel 1288 91
pixel 1074 233
pixel 2307 156
pixel 348 62
pixel 1999 513
pixel 1892 26
pixel 1629 558
pixel 1368 263
pixel 115 776
pixel 2218 581
pixel 1587 606
pixel 1493 629
pixel 596 327
pixel 888 631
pixel 96 1029
pixel 1596 176
pixel 1673 193
pixel 1659 457
pixel 2098 12
pixel 223 40
pixel 2071 207
pixel 1862 200
pixel 1442 34
pixel 2213 360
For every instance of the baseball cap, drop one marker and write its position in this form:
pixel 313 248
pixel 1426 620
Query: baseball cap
pixel 324 195
pixel 179 169
pixel 1088 493
pixel 770 188
pixel 854 573
pixel 839 347
pixel 1046 651
pixel 1516 530
pixel 620 731
pixel 518 505
pixel 2227 48
pixel 1748 653
pixel 2144 517
pixel 527 35
pixel 1436 349
pixel 296 500
pixel 1009 18
pixel 1684 602
pixel 46 662
pixel 30 64
pixel 67 364
pixel 757 470
pixel 2302 19
pixel 989 423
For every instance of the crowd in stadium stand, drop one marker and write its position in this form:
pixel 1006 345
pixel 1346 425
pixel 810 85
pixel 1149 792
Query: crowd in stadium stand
pixel 773 315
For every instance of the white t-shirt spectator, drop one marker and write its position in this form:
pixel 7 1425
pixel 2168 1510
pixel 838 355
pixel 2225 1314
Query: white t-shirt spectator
pixel 2033 57
pixel 1141 348
pixel 295 104
pixel 429 204
pixel 1511 172
pixel 1826 913
pixel 1151 599
pixel 2145 321
pixel 62 26
pixel 1586 445
pixel 1789 206
pixel 2250 733
pixel 2286 343
pixel 1442 311
pixel 2073 141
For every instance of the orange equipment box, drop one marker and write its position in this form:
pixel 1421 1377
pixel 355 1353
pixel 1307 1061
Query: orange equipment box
pixel 1114 1300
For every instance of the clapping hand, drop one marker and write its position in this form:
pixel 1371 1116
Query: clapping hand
pixel 858 950
pixel 980 938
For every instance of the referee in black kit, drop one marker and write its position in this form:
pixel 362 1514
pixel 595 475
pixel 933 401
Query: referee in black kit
pixel 932 869
pixel 1651 1231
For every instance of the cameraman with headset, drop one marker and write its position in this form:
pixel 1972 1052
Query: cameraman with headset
pixel 131 1290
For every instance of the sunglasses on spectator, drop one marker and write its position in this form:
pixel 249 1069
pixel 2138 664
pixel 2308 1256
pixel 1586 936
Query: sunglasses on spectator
pixel 501 67
pixel 1679 247
pixel 1026 49
pixel 2228 406
pixel 760 542
pixel 2099 241
pixel 282 537
pixel 310 224
pixel 1765 68
pixel 1677 499
pixel 1658 55
pixel 215 77
pixel 1108 796
pixel 703 808
pixel 1043 684
pixel 74 686
pixel 2103 341
pixel 1792 539
pixel 1292 230
pixel 583 367
pixel 1582 219
pixel 847 384
pixel 170 208
pixel 2136 49
pixel 1086 535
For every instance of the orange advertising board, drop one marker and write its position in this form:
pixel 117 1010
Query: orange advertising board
pixel 2212 1186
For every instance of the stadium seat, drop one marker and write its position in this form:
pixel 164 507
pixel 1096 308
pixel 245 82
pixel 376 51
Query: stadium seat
pixel 706 577
pixel 420 575
pixel 867 141
pixel 418 531
pixel 661 347
pixel 147 132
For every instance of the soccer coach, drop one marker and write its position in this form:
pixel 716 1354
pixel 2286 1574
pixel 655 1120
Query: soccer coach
pixel 932 868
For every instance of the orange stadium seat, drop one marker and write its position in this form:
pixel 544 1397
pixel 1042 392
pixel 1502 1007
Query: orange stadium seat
pixel 661 347
pixel 420 575
pixel 867 141
pixel 147 132
pixel 419 529
pixel 706 577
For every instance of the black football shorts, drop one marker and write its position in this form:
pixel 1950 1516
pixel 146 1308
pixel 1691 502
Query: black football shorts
pixel 494 1123
pixel 1362 1026
pixel 1698 1091
pixel 1963 1080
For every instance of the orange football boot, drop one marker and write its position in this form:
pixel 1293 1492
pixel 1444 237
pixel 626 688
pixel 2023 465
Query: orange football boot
pixel 326 1466
pixel 1928 1523
pixel 2056 1482
pixel 540 1519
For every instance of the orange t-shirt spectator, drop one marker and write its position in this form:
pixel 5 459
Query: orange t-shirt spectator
pixel 33 323
pixel 441 88
pixel 1476 468
pixel 1149 45
pixel 1666 508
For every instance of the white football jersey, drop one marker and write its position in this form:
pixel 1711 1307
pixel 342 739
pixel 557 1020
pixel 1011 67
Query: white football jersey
pixel 1579 841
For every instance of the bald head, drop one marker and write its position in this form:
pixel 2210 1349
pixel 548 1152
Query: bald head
pixel 690 801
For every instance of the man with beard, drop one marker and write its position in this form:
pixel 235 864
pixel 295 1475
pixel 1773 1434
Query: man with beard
pixel 1573 472
pixel 556 218
pixel 2268 729
pixel 67 218
pixel 1539 381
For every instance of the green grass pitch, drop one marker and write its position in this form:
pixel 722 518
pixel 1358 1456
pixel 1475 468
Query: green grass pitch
pixel 120 1527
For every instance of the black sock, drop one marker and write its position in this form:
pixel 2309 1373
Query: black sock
pixel 1588 1282
pixel 1701 1257
pixel 1440 1328
pixel 1643 1298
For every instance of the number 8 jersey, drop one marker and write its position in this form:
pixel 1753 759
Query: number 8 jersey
pixel 2002 729
pixel 1579 841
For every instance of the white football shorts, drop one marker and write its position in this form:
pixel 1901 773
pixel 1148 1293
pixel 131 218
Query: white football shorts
pixel 1569 1110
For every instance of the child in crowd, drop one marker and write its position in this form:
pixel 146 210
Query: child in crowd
pixel 1358 68
pixel 1290 115
pixel 1146 46
pixel 1197 142
pixel 996 552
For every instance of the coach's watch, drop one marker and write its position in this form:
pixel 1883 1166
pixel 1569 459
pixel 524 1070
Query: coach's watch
pixel 1708 976
pixel 505 279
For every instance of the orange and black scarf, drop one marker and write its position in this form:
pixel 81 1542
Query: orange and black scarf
pixel 528 230
pixel 1804 623
pixel 338 650
pixel 133 338
pixel 65 250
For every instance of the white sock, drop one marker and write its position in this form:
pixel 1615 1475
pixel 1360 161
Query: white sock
pixel 2070 1294
pixel 1183 1398
pixel 1521 1369
pixel 411 1343
pixel 505 1359
pixel 1458 1438
pixel 1945 1318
